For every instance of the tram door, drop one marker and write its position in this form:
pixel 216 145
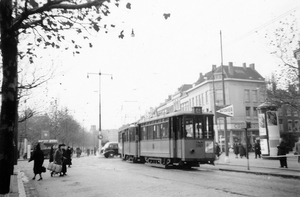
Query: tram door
pixel 176 136
pixel 123 148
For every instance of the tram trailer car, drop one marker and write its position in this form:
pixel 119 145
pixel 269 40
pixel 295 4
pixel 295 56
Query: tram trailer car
pixel 176 139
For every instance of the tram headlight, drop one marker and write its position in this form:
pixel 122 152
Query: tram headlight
pixel 192 151
pixel 209 147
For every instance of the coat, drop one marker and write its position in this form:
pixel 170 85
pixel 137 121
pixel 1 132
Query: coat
pixel 281 148
pixel 257 148
pixel 297 150
pixel 236 148
pixel 38 160
pixel 68 156
pixel 57 158
pixel 242 150
pixel 51 154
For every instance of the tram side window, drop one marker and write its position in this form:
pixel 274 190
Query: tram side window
pixel 156 131
pixel 144 133
pixel 150 130
pixel 131 135
pixel 189 131
pixel 164 130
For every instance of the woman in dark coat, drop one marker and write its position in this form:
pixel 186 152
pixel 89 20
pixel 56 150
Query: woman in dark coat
pixel 58 157
pixel 64 163
pixel 51 154
pixel 257 149
pixel 69 157
pixel 236 149
pixel 242 150
pixel 38 160
pixel 282 151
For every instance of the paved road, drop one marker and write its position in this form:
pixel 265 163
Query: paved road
pixel 93 176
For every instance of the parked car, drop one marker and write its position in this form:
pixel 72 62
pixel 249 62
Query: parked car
pixel 110 149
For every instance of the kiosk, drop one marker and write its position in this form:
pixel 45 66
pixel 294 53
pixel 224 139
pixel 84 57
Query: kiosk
pixel 268 124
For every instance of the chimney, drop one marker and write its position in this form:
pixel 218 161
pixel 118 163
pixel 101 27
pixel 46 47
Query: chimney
pixel 244 65
pixel 230 68
pixel 214 67
pixel 252 66
pixel 201 76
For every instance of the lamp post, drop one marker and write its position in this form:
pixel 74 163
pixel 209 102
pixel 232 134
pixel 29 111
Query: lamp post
pixel 100 134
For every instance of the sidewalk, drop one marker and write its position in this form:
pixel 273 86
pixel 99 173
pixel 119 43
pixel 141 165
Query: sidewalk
pixel 266 166
pixel 256 166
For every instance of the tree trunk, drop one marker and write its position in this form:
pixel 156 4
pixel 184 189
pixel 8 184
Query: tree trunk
pixel 9 89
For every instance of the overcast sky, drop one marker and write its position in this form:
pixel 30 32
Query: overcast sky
pixel 163 55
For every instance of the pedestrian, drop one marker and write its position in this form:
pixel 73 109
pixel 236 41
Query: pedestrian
pixel 297 149
pixel 38 160
pixel 281 151
pixel 236 149
pixel 78 152
pixel 217 150
pixel 242 150
pixel 257 149
pixel 51 154
pixel 58 157
pixel 64 162
pixel 69 157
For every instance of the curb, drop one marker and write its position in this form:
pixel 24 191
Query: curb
pixel 262 173
pixel 21 188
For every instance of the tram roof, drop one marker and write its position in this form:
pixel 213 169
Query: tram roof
pixel 178 113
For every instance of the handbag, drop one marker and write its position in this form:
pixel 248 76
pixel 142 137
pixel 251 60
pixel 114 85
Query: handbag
pixel 57 168
pixel 51 167
pixel 43 169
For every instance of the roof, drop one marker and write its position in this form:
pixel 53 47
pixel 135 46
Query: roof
pixel 232 72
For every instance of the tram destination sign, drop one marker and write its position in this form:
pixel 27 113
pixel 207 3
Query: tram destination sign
pixel 225 111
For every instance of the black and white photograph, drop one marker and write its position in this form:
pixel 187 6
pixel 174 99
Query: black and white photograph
pixel 119 98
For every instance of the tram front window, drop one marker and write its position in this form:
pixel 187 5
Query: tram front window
pixel 189 131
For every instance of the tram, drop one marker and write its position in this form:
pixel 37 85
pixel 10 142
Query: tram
pixel 175 139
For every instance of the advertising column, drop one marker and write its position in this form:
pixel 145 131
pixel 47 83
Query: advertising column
pixel 268 129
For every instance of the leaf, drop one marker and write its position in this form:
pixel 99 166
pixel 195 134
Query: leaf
pixel 121 34
pixel 167 15
pixel 128 5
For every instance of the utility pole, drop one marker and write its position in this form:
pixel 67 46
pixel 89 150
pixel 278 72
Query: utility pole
pixel 100 130
pixel 224 103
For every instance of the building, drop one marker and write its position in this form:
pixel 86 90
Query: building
pixel 245 90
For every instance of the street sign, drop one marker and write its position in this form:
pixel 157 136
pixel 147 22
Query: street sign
pixel 227 111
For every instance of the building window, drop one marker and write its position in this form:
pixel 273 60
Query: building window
pixel 288 111
pixel 280 124
pixel 295 112
pixel 193 102
pixel 202 99
pixel 255 112
pixel 247 111
pixel 290 125
pixel 206 97
pixel 254 95
pixel 247 95
pixel 219 97
pixel 197 101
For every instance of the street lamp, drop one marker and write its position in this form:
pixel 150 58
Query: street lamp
pixel 99 74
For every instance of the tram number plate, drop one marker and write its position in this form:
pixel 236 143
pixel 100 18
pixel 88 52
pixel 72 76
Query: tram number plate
pixel 199 143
